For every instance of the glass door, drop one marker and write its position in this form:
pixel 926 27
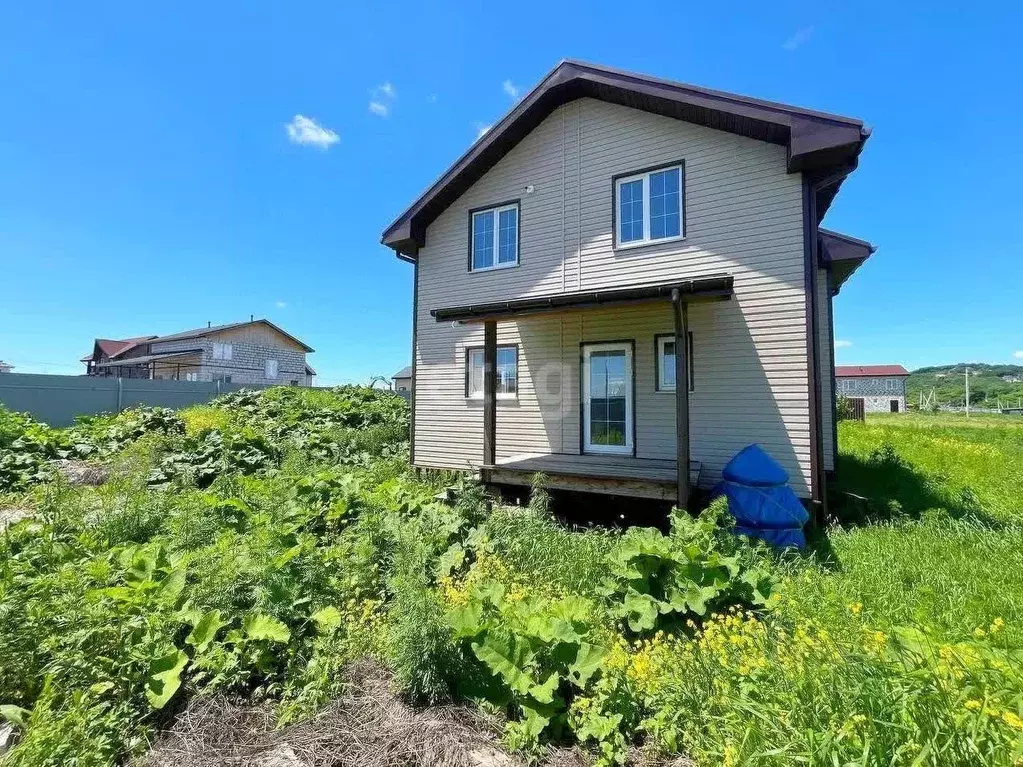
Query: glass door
pixel 607 398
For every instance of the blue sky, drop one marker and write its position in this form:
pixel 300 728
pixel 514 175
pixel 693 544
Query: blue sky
pixel 149 182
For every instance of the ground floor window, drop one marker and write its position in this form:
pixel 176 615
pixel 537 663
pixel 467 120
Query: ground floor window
pixel 607 393
pixel 507 372
pixel 665 345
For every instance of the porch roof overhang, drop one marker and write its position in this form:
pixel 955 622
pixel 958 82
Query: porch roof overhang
pixel 713 288
pixel 129 361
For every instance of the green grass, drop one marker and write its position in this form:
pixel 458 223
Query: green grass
pixel 928 545
pixel 951 554
pixel 947 453
pixel 951 575
pixel 896 639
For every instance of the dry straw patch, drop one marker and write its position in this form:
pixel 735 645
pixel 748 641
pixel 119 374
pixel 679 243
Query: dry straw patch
pixel 368 727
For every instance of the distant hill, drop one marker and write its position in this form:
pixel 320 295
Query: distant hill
pixel 988 384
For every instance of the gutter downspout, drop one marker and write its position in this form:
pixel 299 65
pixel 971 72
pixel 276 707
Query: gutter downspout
pixel 812 187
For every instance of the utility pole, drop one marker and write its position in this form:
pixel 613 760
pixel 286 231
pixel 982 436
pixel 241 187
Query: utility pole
pixel 967 392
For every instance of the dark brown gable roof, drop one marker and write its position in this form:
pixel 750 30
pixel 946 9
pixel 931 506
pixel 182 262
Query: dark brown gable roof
pixel 816 141
pixel 199 332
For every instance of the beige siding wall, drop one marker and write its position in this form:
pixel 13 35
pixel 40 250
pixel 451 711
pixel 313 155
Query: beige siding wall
pixel 825 346
pixel 743 217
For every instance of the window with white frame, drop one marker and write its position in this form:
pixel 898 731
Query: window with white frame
pixel 494 237
pixel 507 372
pixel 270 368
pixel 666 362
pixel 649 206
pixel 192 376
pixel 221 351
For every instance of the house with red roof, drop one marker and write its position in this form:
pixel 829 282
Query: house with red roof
pixel 881 387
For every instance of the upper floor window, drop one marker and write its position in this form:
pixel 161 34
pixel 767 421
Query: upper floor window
pixel 221 351
pixel 494 237
pixel 649 206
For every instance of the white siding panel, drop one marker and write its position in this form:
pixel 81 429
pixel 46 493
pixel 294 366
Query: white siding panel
pixel 743 217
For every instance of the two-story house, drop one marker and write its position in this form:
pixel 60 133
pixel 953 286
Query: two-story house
pixel 881 387
pixel 623 283
pixel 254 352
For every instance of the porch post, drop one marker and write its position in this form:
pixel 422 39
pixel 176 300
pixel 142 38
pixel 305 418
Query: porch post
pixel 489 392
pixel 681 397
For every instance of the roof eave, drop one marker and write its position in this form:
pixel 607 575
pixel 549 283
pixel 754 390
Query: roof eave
pixel 843 255
pixel 815 141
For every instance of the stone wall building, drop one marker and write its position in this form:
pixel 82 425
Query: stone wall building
pixel 254 352
pixel 881 387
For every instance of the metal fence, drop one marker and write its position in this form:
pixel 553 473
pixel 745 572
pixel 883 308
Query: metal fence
pixel 56 400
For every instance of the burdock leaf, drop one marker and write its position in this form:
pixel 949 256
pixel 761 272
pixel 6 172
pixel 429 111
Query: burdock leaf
pixel 165 677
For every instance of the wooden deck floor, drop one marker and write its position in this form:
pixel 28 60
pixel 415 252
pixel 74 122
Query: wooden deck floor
pixel 621 467
pixel 617 475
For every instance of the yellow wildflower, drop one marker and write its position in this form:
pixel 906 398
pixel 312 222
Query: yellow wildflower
pixel 973 705
pixel 855 608
pixel 997 625
pixel 1012 719
pixel 979 632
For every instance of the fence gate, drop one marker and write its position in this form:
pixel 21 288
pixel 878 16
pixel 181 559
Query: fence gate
pixel 858 408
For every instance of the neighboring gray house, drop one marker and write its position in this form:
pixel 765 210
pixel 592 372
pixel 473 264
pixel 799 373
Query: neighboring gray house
pixel 254 352
pixel 612 235
pixel 403 379
pixel 881 387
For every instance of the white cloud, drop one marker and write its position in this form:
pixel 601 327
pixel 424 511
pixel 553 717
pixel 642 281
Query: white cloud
pixel 381 99
pixel 281 304
pixel 481 129
pixel 798 39
pixel 1019 355
pixel 843 344
pixel 305 130
pixel 511 89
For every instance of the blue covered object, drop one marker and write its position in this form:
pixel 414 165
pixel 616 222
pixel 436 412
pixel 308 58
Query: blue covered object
pixel 753 466
pixel 763 505
pixel 780 539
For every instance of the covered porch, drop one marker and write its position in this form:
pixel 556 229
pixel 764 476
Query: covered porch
pixel 616 475
pixel 606 460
